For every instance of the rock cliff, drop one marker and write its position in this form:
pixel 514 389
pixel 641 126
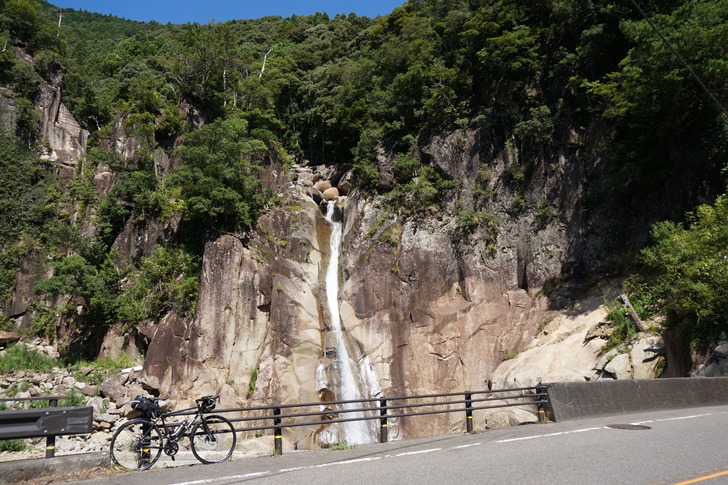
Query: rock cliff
pixel 430 307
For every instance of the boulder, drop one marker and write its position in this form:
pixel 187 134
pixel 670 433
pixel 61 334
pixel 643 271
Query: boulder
pixel 620 366
pixel 717 363
pixel 346 183
pixel 8 337
pixel 322 185
pixel 647 356
pixel 504 417
pixel 331 193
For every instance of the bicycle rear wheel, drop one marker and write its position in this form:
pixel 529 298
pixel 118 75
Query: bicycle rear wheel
pixel 213 439
pixel 136 445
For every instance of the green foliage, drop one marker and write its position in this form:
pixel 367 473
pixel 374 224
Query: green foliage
pixel 166 281
pixel 25 22
pixel 514 173
pixel 405 167
pixel 538 128
pixel 545 214
pixel 622 327
pixel 470 219
pixel 658 109
pixel 20 357
pixel 425 192
pixel 252 383
pixel 73 398
pixel 6 323
pixel 218 180
pixel 100 369
pixel 518 203
pixel 44 322
pixel 13 446
pixel 74 276
pixel 689 268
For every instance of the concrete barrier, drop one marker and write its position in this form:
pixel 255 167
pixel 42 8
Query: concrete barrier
pixel 19 471
pixel 576 400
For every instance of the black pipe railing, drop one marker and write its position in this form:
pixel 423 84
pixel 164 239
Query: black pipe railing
pixel 285 416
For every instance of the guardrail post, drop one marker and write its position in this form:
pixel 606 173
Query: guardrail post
pixel 277 435
pixel 468 412
pixel 51 440
pixel 383 421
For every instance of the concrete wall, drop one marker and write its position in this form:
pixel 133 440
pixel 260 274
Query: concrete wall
pixel 575 400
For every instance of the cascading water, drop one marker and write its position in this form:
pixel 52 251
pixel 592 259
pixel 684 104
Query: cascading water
pixel 350 372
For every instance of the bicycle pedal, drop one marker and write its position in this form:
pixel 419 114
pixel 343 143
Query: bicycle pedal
pixel 172 457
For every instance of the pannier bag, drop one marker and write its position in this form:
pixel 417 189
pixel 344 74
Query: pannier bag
pixel 148 407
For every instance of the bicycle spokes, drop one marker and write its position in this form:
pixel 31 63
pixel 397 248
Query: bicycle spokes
pixel 213 440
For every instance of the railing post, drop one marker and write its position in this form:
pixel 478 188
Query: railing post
pixel 51 440
pixel 540 389
pixel 468 412
pixel 383 421
pixel 277 435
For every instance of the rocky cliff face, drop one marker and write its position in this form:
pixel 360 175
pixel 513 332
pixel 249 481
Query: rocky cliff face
pixel 64 146
pixel 431 307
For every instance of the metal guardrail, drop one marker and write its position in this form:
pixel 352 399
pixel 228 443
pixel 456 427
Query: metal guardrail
pixel 384 409
pixel 46 422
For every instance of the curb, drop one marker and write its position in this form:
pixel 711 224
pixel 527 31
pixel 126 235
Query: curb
pixel 18 471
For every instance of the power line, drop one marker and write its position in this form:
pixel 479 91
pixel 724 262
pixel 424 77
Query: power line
pixel 677 54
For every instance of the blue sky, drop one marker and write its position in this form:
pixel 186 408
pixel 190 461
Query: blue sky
pixel 184 11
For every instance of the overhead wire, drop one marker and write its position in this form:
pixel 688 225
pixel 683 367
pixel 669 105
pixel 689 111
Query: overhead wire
pixel 680 58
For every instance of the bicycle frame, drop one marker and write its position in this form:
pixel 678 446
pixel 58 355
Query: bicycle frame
pixel 169 429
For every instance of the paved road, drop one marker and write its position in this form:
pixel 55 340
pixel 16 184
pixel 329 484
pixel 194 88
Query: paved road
pixel 683 446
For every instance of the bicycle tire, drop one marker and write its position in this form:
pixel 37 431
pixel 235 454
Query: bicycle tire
pixel 126 445
pixel 213 439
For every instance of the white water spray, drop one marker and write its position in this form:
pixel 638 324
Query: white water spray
pixel 357 432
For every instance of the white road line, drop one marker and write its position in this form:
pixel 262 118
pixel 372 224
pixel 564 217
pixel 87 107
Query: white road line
pixel 672 419
pixel 324 465
pixel 685 417
pixel 348 462
pixel 466 446
pixel 549 435
pixel 418 452
pixel 219 479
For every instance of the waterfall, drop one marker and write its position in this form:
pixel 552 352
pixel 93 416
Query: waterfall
pixel 350 372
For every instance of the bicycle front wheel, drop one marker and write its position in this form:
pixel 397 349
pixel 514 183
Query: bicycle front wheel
pixel 213 439
pixel 136 445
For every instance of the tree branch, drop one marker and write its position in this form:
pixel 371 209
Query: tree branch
pixel 265 58
pixel 624 300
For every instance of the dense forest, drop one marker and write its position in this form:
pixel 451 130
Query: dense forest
pixel 223 100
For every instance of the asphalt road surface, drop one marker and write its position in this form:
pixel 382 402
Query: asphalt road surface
pixel 669 447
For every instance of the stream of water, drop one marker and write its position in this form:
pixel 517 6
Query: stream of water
pixel 357 432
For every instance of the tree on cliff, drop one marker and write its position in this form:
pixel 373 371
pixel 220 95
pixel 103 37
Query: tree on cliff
pixel 219 178
pixel 690 272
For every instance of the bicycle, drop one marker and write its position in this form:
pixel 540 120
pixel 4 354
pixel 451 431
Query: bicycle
pixel 138 443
